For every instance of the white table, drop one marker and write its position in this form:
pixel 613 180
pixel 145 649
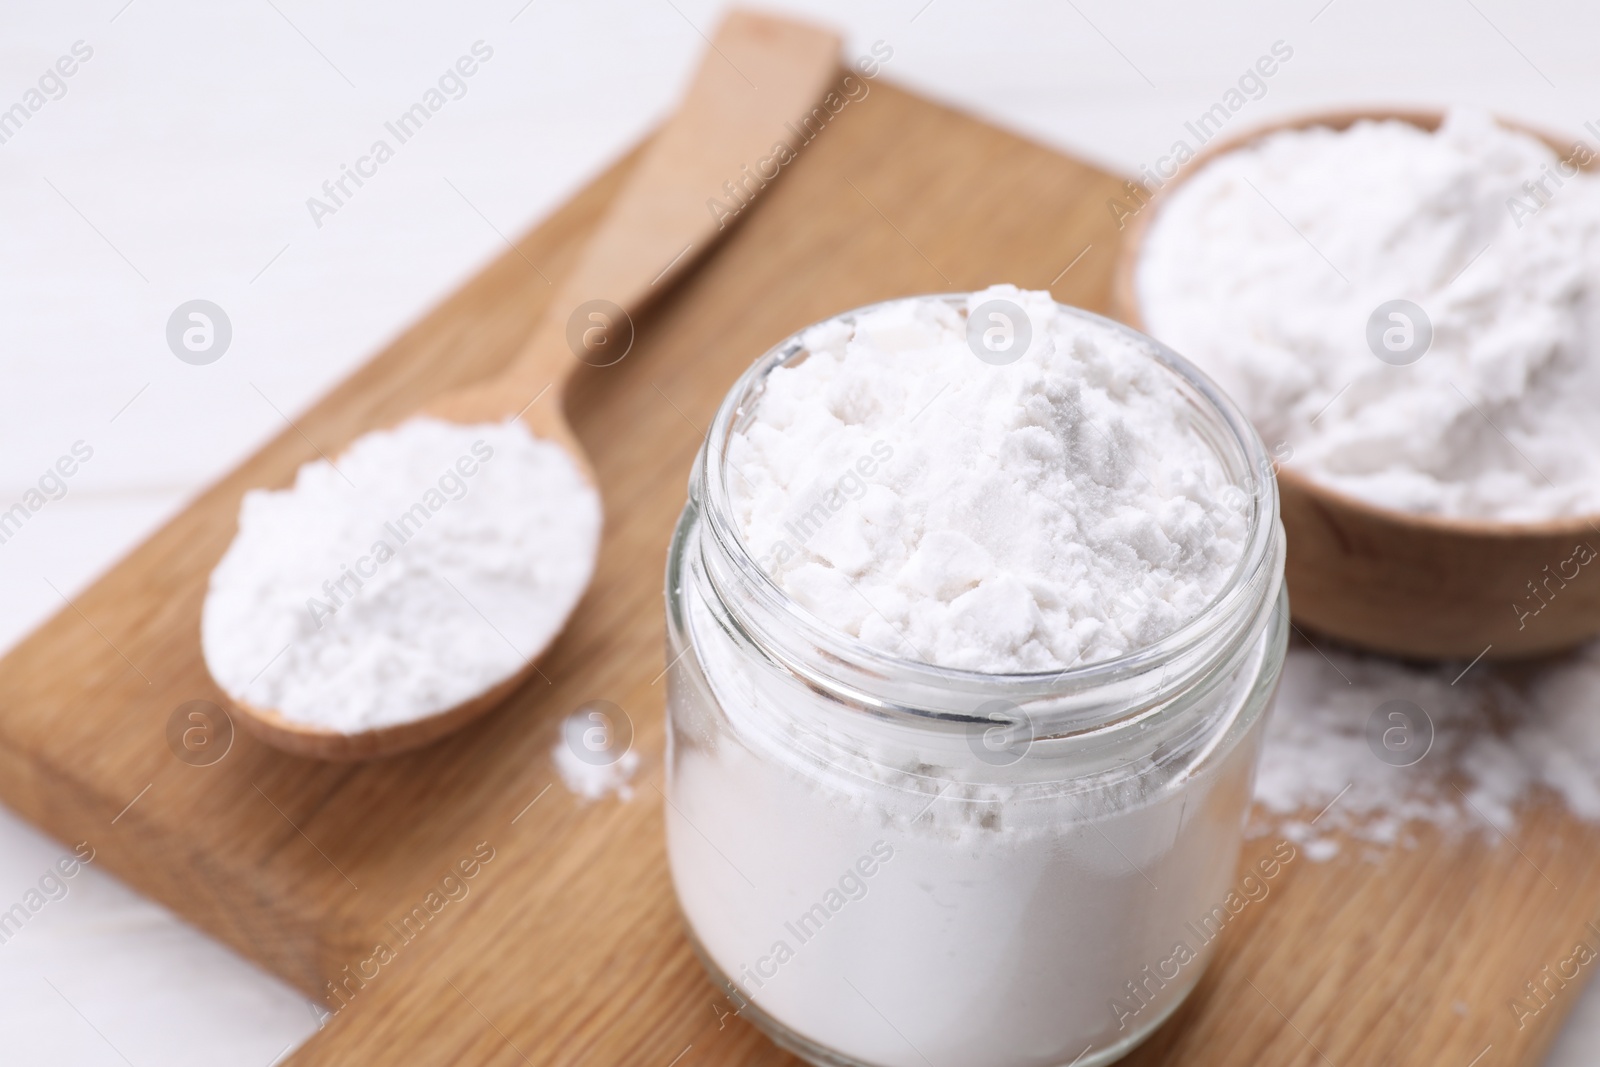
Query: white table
pixel 177 164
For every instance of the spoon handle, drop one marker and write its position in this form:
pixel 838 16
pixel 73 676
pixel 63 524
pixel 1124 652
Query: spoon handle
pixel 758 81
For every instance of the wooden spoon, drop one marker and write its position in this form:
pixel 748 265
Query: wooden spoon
pixel 1404 584
pixel 760 73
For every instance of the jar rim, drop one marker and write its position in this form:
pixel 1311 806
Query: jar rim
pixel 769 609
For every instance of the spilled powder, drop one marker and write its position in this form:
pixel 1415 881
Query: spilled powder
pixel 593 761
pixel 1503 737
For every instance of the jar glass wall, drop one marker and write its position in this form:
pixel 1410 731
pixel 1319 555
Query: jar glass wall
pixel 890 864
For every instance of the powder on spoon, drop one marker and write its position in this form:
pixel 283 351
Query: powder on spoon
pixel 1275 267
pixel 426 565
pixel 1057 510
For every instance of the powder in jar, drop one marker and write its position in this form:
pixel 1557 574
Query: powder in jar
pixel 1276 268
pixel 1053 511
pixel 874 868
pixel 429 563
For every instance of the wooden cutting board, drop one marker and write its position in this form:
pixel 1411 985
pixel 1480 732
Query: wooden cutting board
pixel 566 947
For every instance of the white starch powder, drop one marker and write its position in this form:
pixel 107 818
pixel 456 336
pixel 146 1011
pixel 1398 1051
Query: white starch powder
pixel 1056 510
pixel 1495 740
pixel 1012 941
pixel 1267 266
pixel 429 563
pixel 591 759
pixel 900 914
pixel 875 885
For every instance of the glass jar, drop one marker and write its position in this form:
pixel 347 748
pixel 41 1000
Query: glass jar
pixel 891 864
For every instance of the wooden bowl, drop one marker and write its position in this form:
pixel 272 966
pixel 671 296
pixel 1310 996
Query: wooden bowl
pixel 1391 581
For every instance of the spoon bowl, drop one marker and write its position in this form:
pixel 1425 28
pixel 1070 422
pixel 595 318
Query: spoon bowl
pixel 1391 581
pixel 657 227
pixel 324 743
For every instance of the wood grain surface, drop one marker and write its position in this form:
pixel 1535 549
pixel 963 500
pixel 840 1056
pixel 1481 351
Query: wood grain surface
pixel 564 946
